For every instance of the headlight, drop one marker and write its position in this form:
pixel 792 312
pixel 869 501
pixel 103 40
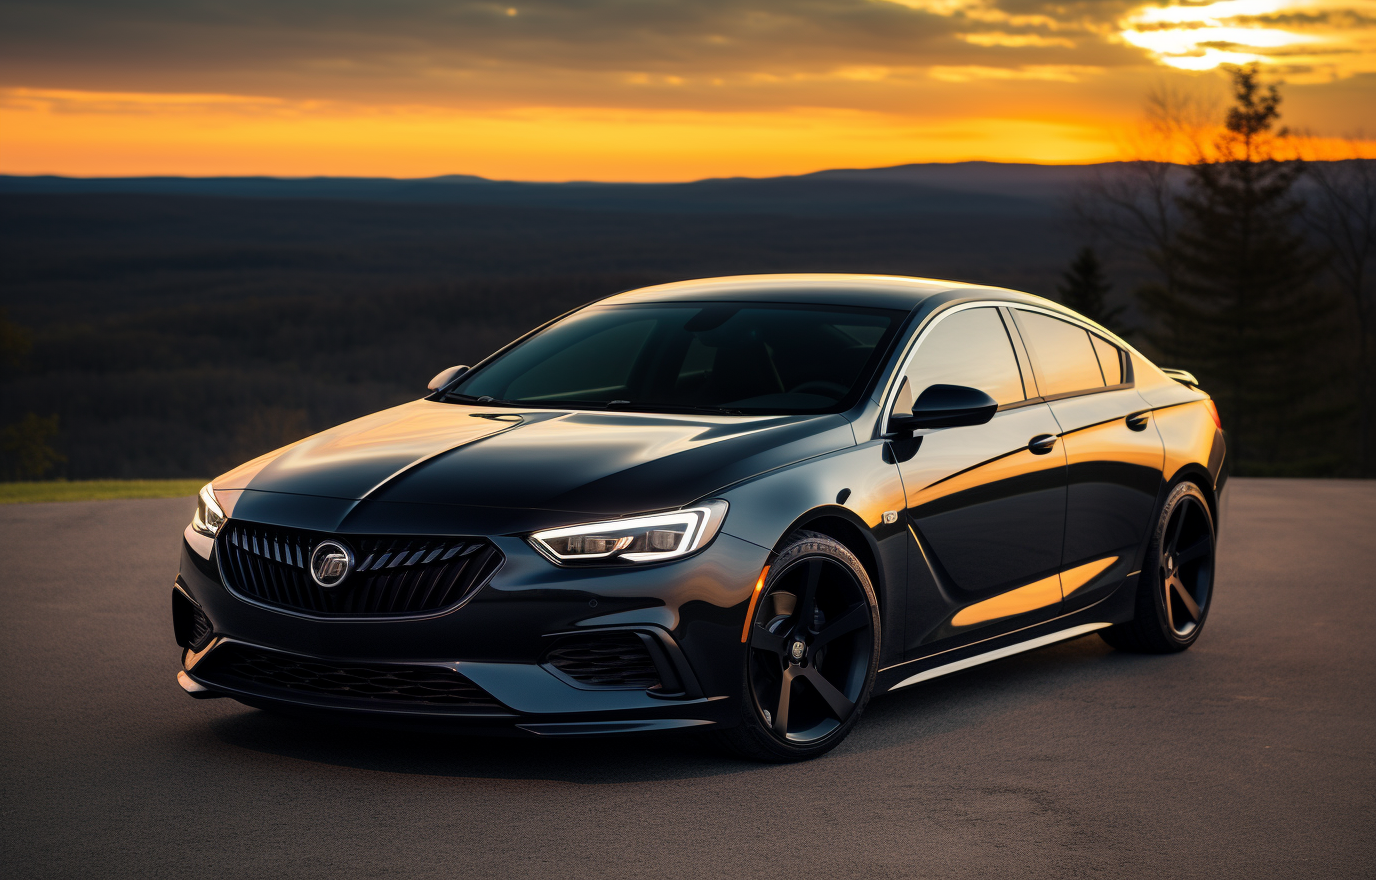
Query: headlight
pixel 642 539
pixel 209 516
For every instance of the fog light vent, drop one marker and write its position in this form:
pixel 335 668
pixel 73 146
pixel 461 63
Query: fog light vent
pixel 190 626
pixel 605 660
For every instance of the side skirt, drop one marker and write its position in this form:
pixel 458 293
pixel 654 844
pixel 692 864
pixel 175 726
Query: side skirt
pixel 999 653
pixel 1113 608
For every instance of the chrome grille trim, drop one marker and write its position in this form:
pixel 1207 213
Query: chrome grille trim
pixel 398 576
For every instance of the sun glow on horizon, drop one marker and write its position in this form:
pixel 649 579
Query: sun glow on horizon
pixel 669 91
pixel 51 132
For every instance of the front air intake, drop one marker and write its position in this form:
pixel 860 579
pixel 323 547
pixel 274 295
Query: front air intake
pixel 272 673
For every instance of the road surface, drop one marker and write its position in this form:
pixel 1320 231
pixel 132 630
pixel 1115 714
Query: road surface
pixel 1251 755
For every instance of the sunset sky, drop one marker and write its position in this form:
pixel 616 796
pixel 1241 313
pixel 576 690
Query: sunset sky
pixel 636 89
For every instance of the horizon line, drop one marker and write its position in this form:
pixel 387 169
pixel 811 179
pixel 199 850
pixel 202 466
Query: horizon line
pixel 460 175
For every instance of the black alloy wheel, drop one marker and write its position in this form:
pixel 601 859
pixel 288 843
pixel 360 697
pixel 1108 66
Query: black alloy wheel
pixel 1176 584
pixel 812 653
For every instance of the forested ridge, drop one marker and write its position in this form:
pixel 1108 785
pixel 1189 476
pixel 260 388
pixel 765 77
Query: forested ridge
pixel 176 335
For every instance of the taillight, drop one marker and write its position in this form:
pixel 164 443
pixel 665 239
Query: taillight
pixel 1213 412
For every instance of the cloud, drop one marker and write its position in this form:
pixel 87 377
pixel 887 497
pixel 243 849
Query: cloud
pixel 466 51
pixel 1000 38
pixel 741 56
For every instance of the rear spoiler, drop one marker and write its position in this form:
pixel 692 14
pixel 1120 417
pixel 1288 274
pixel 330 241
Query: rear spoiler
pixel 1184 377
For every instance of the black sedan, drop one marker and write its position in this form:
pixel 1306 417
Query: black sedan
pixel 740 505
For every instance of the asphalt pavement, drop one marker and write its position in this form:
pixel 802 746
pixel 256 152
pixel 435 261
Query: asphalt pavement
pixel 1251 755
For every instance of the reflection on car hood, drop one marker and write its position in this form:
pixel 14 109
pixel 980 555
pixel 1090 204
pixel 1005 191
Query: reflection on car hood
pixel 592 462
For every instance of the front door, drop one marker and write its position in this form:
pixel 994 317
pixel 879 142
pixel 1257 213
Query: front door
pixel 986 504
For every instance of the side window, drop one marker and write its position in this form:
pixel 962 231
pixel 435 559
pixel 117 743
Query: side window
pixel 968 348
pixel 1110 360
pixel 1061 353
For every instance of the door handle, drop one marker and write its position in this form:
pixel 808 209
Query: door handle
pixel 1042 444
pixel 1138 421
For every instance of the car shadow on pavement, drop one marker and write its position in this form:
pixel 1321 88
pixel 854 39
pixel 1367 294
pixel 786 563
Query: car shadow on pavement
pixel 965 702
pixel 591 760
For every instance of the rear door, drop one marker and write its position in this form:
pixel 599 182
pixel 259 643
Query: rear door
pixel 1113 452
pixel 985 511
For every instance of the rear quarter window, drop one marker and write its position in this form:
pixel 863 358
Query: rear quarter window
pixel 1110 360
pixel 1062 354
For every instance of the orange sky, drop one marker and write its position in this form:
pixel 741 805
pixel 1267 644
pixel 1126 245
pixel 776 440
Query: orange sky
pixel 637 90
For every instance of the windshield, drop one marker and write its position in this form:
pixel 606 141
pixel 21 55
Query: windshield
pixel 724 357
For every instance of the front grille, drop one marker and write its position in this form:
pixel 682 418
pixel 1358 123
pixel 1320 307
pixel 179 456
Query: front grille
pixel 393 576
pixel 609 660
pixel 255 670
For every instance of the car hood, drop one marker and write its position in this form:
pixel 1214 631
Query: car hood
pixel 604 463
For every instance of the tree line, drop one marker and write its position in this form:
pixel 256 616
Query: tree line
pixel 1255 268
pixel 173 336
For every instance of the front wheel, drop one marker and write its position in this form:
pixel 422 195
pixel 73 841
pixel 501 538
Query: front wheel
pixel 811 656
pixel 1176 584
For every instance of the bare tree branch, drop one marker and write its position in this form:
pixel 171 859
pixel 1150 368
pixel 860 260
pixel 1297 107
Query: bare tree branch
pixel 1341 212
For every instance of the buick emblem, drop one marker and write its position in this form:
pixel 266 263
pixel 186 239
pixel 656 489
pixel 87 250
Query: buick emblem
pixel 330 564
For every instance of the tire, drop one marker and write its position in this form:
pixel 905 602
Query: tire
pixel 803 687
pixel 1175 589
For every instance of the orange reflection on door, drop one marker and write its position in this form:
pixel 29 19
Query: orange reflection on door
pixel 1038 594
pixel 1077 577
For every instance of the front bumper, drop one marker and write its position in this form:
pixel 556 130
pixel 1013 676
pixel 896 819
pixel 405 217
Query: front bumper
pixel 689 613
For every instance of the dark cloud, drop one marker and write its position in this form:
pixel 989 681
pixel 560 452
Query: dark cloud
pixel 1331 18
pixel 430 49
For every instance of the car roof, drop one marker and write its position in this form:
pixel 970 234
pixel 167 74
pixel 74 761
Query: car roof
pixel 873 291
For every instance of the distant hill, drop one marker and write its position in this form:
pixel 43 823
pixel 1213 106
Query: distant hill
pixel 963 187
pixel 182 325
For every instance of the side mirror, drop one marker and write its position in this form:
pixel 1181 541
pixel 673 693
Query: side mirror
pixel 946 406
pixel 444 377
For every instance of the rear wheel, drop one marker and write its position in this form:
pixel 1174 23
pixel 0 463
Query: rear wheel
pixel 1176 584
pixel 812 653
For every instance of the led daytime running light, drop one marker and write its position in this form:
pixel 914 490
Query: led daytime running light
pixel 638 539
pixel 210 517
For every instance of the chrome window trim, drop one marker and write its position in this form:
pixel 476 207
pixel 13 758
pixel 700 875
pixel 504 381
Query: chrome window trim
pixel 1074 319
pixel 890 396
pixel 1094 330
pixel 1029 379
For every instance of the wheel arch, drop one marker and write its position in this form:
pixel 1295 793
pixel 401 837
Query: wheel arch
pixel 1189 473
pixel 1200 476
pixel 844 526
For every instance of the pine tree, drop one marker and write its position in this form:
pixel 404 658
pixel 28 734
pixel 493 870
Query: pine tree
pixel 1246 318
pixel 1085 289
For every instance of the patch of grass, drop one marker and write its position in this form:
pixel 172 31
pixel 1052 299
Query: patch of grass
pixel 97 490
